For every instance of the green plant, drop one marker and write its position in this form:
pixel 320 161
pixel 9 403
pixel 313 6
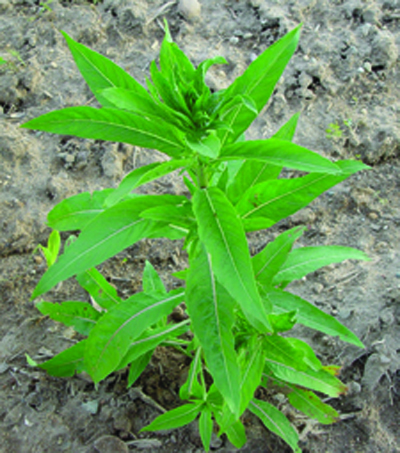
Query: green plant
pixel 333 131
pixel 239 311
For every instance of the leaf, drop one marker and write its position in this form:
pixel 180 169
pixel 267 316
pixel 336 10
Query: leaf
pixel 79 315
pixel 113 125
pixel 221 232
pixel 103 293
pixel 150 339
pixel 75 212
pixel 151 281
pixel 110 340
pixel 137 367
pixel 277 200
pixel 309 315
pixel 311 405
pixel 268 262
pixel 205 427
pixel 112 231
pixel 179 215
pixel 175 418
pixel 100 72
pixel 208 146
pixel 143 175
pixel 282 153
pixel 66 363
pixel 276 422
pixel 304 260
pixel 192 387
pixel 278 349
pixel 211 311
pixel 284 321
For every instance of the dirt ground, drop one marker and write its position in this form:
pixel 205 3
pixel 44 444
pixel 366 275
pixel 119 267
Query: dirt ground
pixel 344 78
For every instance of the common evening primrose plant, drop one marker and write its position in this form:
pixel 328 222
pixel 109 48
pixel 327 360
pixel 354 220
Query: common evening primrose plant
pixel 240 314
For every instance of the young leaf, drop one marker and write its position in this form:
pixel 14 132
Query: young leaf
pixel 282 153
pixel 151 281
pixel 66 363
pixel 277 200
pixel 176 418
pixel 137 367
pixel 103 293
pixel 221 232
pixel 75 212
pixel 111 124
pixel 192 387
pixel 115 229
pixel 79 315
pixel 110 340
pixel 205 427
pixel 278 349
pixel 304 260
pixel 268 262
pixel 276 422
pixel 211 310
pixel 100 72
pixel 309 315
pixel 53 247
pixel 143 175
pixel 179 215
pixel 311 405
pixel 284 321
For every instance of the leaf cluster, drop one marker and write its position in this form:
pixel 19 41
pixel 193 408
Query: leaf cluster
pixel 240 312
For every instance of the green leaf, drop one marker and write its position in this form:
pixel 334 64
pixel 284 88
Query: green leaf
pixel 276 422
pixel 205 427
pixel 112 231
pixel 221 232
pixel 304 260
pixel 66 363
pixel 208 146
pixel 309 315
pixel 180 216
pixel 251 360
pixel 100 72
pixel 137 367
pixel 311 405
pixel 192 387
pixel 268 262
pixel 79 315
pixel 151 281
pixel 150 339
pixel 103 293
pixel 110 340
pixel 278 349
pixel 276 200
pixel 75 212
pixel 176 418
pixel 282 153
pixel 211 310
pixel 113 125
pixel 284 321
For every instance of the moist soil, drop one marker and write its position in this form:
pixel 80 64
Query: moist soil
pixel 344 79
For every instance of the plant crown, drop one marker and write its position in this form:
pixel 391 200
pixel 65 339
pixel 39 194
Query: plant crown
pixel 238 308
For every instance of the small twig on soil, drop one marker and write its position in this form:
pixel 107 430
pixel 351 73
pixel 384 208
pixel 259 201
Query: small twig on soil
pixel 15 378
pixel 160 11
pixel 147 399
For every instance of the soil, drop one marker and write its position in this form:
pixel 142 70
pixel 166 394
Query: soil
pixel 344 78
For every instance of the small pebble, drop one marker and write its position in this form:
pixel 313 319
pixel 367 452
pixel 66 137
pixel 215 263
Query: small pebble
pixel 234 40
pixel 368 66
pixel 190 9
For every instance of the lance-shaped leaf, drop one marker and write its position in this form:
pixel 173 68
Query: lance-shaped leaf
pixel 178 216
pixel 311 405
pixel 211 310
pixel 276 422
pixel 192 387
pixel 79 315
pixel 103 293
pixel 254 172
pixel 75 212
pixel 321 380
pixel 277 200
pixel 110 340
pixel 260 78
pixel 279 349
pixel 304 260
pixel 222 233
pixel 309 315
pixel 100 72
pixel 268 262
pixel 66 363
pixel 176 418
pixel 206 427
pixel 151 281
pixel 150 339
pixel 235 431
pixel 143 175
pixel 137 367
pixel 282 153
pixel 112 231
pixel 113 125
